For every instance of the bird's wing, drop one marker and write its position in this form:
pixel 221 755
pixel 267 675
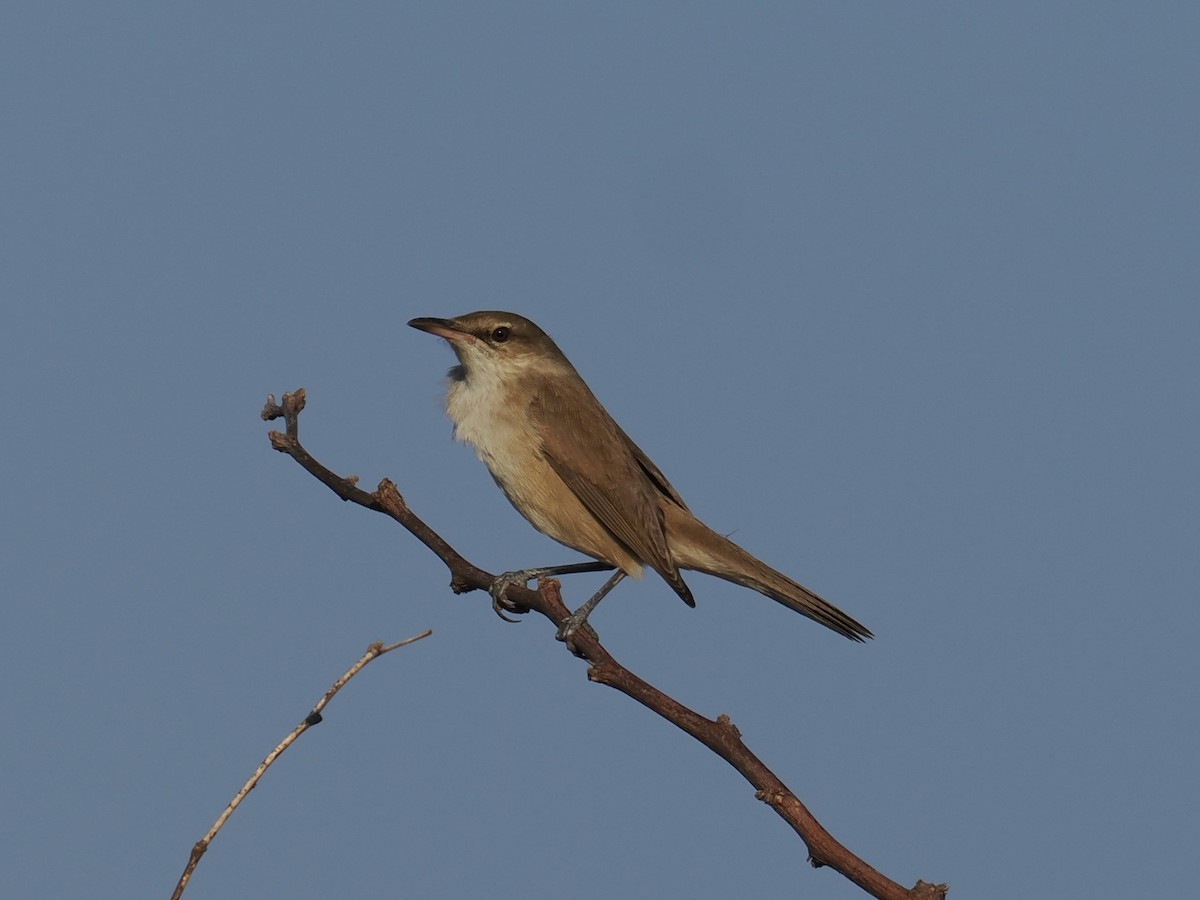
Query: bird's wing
pixel 609 475
pixel 652 471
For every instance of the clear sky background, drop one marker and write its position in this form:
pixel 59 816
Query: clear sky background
pixel 905 296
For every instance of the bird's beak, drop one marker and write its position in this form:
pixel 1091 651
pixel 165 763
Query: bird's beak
pixel 445 328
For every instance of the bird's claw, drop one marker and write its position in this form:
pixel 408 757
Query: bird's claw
pixel 572 624
pixel 499 591
pixel 498 608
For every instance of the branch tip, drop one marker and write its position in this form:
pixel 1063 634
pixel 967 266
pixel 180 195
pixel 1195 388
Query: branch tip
pixel 271 409
pixel 409 640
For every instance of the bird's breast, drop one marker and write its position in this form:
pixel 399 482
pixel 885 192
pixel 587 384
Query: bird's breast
pixel 506 439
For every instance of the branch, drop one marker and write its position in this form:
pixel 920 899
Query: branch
pixel 313 718
pixel 721 736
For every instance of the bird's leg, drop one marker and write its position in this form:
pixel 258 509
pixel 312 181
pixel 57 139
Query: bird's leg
pixel 578 619
pixel 500 586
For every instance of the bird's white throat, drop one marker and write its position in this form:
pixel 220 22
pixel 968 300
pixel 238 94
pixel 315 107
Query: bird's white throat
pixel 484 415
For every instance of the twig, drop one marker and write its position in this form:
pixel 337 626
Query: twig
pixel 720 735
pixel 314 717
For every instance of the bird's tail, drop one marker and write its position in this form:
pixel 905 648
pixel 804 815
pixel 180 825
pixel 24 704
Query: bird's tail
pixel 696 546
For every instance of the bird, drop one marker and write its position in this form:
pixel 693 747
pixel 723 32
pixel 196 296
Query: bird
pixel 566 465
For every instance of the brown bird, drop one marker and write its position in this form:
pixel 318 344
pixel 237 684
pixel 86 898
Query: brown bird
pixel 569 469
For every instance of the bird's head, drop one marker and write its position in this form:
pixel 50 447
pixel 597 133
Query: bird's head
pixel 496 344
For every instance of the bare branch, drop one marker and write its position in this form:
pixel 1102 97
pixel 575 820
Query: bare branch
pixel 720 735
pixel 375 651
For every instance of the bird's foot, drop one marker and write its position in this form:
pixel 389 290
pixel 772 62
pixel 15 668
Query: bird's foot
pixel 499 591
pixel 579 618
pixel 571 624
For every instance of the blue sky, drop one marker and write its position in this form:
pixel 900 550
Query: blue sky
pixel 904 296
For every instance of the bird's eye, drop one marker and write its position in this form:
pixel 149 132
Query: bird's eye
pixel 500 335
